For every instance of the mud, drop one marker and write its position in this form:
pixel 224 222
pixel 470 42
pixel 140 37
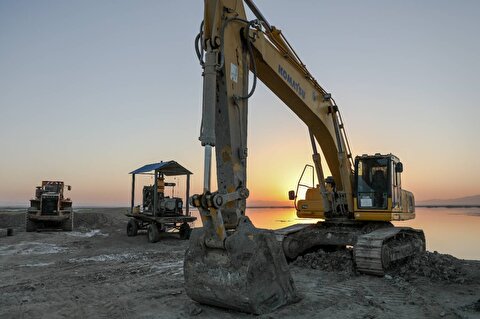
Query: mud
pixel 338 261
pixel 97 271
pixel 435 266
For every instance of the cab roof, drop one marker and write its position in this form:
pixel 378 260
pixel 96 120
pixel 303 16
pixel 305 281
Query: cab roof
pixel 169 168
pixel 378 155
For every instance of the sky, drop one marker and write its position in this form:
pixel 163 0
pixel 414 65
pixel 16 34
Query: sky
pixel 91 90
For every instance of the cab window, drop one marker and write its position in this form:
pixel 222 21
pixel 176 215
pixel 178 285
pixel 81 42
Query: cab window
pixel 373 183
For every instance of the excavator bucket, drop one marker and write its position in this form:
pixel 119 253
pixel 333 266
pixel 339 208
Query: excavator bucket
pixel 250 275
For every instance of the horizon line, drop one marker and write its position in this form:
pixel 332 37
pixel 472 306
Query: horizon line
pixel 255 206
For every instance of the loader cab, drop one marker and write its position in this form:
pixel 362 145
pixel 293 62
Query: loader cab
pixel 53 187
pixel 377 182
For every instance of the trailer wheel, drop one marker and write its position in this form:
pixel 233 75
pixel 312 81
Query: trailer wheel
pixel 132 227
pixel 152 233
pixel 30 225
pixel 185 231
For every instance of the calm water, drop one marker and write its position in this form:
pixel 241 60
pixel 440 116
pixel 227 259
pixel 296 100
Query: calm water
pixel 454 231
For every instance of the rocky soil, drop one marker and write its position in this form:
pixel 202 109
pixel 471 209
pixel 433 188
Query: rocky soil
pixel 97 271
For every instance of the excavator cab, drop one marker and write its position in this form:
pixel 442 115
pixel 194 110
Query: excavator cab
pixel 378 193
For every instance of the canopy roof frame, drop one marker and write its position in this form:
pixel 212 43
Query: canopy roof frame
pixel 169 168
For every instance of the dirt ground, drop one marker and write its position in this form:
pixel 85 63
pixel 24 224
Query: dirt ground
pixel 97 271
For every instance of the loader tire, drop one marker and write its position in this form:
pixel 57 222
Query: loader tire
pixel 30 225
pixel 153 234
pixel 68 224
pixel 132 227
pixel 185 231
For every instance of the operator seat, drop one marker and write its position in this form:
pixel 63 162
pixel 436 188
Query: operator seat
pixel 379 185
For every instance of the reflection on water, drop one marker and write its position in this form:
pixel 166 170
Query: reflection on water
pixel 454 231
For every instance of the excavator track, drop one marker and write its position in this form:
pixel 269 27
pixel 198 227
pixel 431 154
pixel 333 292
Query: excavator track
pixel 376 251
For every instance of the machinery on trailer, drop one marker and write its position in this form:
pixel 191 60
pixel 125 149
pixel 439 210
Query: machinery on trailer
pixel 160 212
pixel 230 263
pixel 50 209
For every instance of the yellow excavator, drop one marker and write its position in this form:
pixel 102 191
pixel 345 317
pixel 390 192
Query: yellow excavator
pixel 229 263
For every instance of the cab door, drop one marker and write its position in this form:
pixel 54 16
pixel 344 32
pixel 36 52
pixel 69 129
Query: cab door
pixel 397 186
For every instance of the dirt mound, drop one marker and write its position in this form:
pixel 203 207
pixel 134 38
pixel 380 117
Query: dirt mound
pixel 474 306
pixel 435 266
pixel 92 221
pixel 99 219
pixel 84 219
pixel 339 261
pixel 12 220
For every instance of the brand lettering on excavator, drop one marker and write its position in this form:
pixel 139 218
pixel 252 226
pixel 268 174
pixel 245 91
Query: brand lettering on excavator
pixel 295 85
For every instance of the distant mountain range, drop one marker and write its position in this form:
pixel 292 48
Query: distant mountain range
pixel 463 201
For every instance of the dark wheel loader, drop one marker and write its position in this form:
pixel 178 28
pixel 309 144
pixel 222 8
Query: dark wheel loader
pixel 50 209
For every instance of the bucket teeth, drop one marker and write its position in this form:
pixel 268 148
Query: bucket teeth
pixel 250 275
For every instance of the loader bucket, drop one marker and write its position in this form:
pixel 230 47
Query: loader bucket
pixel 250 275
